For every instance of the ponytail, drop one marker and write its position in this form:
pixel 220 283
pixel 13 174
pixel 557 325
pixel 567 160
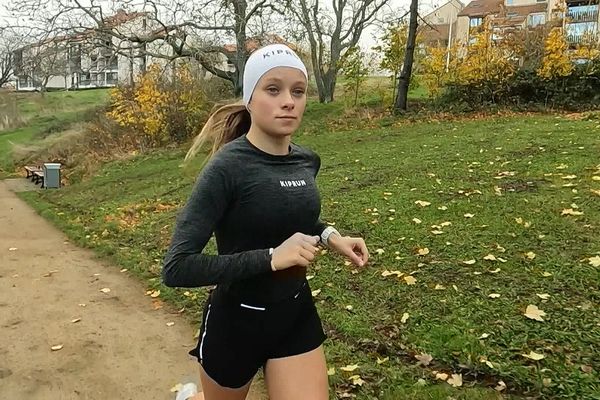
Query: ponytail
pixel 225 124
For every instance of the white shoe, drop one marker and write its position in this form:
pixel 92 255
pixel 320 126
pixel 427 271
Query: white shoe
pixel 188 390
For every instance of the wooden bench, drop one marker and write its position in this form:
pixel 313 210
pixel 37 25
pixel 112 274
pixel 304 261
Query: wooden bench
pixel 38 176
pixel 31 170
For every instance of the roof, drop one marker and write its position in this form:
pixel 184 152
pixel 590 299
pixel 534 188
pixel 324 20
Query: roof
pixel 436 32
pixel 481 8
pixel 443 5
pixel 121 17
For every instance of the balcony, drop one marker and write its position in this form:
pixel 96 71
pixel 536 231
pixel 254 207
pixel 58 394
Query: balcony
pixel 582 16
pixel 575 39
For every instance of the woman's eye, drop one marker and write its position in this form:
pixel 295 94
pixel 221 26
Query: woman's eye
pixel 272 90
pixel 298 92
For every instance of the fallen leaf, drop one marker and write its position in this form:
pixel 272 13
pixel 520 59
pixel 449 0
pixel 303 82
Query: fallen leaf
pixel 176 388
pixel 56 347
pixel 586 368
pixel 356 380
pixel 417 220
pixel 469 215
pixel 422 203
pixel 170 323
pixel 519 220
pixel 388 273
pixel 596 192
pixel 155 293
pixel 543 296
pixel 315 293
pixel 441 376
pixel 495 271
pixel 349 368
pixel 424 251
pixel 331 371
pixel 490 257
pixel 501 386
pixel 596 178
pixel 349 308
pixel 81 304
pixel 12 249
pixel 569 177
pixel 570 211
pixel 469 262
pixel 530 255
pixel 404 317
pixel 105 290
pixel 532 312
pixel 380 251
pixel 410 280
pixel 439 287
pixel 546 274
pixel 382 360
pixel 456 380
pixel 424 359
pixel 124 270
pixel 546 382
pixel 437 232
pixel 446 223
pixel 494 295
pixel 533 356
pixel 595 261
pixel 484 336
pixel 75 320
pixel 443 208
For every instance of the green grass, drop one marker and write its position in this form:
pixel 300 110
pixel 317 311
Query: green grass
pixel 45 115
pixel 499 170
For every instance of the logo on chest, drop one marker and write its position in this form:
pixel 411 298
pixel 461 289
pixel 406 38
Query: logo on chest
pixel 289 184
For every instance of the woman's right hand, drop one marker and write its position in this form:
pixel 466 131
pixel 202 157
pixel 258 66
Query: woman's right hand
pixel 299 249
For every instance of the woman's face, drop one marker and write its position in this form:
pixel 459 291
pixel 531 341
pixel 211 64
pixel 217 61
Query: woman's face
pixel 278 101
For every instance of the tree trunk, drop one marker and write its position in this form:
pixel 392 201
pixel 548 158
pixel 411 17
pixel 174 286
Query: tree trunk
pixel 404 80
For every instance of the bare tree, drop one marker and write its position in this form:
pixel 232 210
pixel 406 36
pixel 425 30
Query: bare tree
pixel 215 34
pixel 6 64
pixel 405 75
pixel 330 34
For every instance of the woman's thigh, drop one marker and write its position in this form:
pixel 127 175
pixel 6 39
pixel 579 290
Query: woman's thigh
pixel 211 390
pixel 299 377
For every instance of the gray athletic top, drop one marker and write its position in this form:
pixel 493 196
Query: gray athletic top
pixel 252 201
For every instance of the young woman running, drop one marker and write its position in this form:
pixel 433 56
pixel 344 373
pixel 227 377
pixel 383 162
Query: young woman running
pixel 257 194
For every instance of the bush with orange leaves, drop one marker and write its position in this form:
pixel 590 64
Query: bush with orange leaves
pixel 164 106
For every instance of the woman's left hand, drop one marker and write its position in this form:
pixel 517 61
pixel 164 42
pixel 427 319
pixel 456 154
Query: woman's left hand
pixel 352 248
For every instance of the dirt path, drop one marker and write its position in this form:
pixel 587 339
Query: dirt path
pixel 120 349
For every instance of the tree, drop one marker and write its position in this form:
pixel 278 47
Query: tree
pixel 167 29
pixel 330 34
pixel 6 64
pixel 404 79
pixel 354 70
pixel 556 62
pixel 393 49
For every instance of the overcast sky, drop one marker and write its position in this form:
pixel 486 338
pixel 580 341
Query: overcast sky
pixel 368 38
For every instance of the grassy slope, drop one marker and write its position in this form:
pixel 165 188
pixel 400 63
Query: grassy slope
pixel 53 112
pixel 128 210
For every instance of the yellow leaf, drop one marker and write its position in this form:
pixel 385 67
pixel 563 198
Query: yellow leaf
pixel 380 251
pixel 170 323
pixel 595 261
pixel 315 293
pixel 176 388
pixel 331 371
pixel 596 178
pixel 443 208
pixel 490 257
pixel 456 380
pixel 533 312
pixel 349 368
pixel 569 177
pixel 439 287
pixel 441 376
pixel 570 211
pixel 469 262
pixel 484 336
pixel 437 232
pixel 75 320
pixel 404 317
pixel 468 215
pixel 417 220
pixel 494 295
pixel 495 271
pixel 349 308
pixel 533 356
pixel 56 347
pixel 519 220
pixel 530 255
pixel 596 192
pixel 501 386
pixel 543 296
pixel 424 359
pixel 388 273
pixel 546 274
pixel 446 223
pixel 105 290
pixel 155 293
pixel 422 203
pixel 423 252
pixel 124 270
pixel 382 360
pixel 356 380
pixel 410 280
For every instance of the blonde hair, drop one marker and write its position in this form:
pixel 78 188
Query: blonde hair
pixel 226 123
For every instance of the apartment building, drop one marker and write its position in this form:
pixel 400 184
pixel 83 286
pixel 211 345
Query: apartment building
pixel 579 18
pixel 439 26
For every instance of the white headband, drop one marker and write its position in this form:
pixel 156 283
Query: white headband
pixel 265 59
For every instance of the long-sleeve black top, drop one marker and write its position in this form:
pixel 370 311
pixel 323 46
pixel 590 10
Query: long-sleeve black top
pixel 252 201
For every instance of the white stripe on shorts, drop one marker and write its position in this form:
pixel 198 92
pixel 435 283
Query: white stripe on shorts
pixel 205 329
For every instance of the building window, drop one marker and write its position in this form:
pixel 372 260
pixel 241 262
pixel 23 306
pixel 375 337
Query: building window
pixel 475 22
pixel 579 32
pixel 536 19
pixel 112 78
pixel 509 2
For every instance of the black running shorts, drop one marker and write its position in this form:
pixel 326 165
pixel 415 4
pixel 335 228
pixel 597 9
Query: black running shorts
pixel 237 339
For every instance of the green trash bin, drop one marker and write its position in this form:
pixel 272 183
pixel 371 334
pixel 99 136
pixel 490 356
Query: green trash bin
pixel 51 175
